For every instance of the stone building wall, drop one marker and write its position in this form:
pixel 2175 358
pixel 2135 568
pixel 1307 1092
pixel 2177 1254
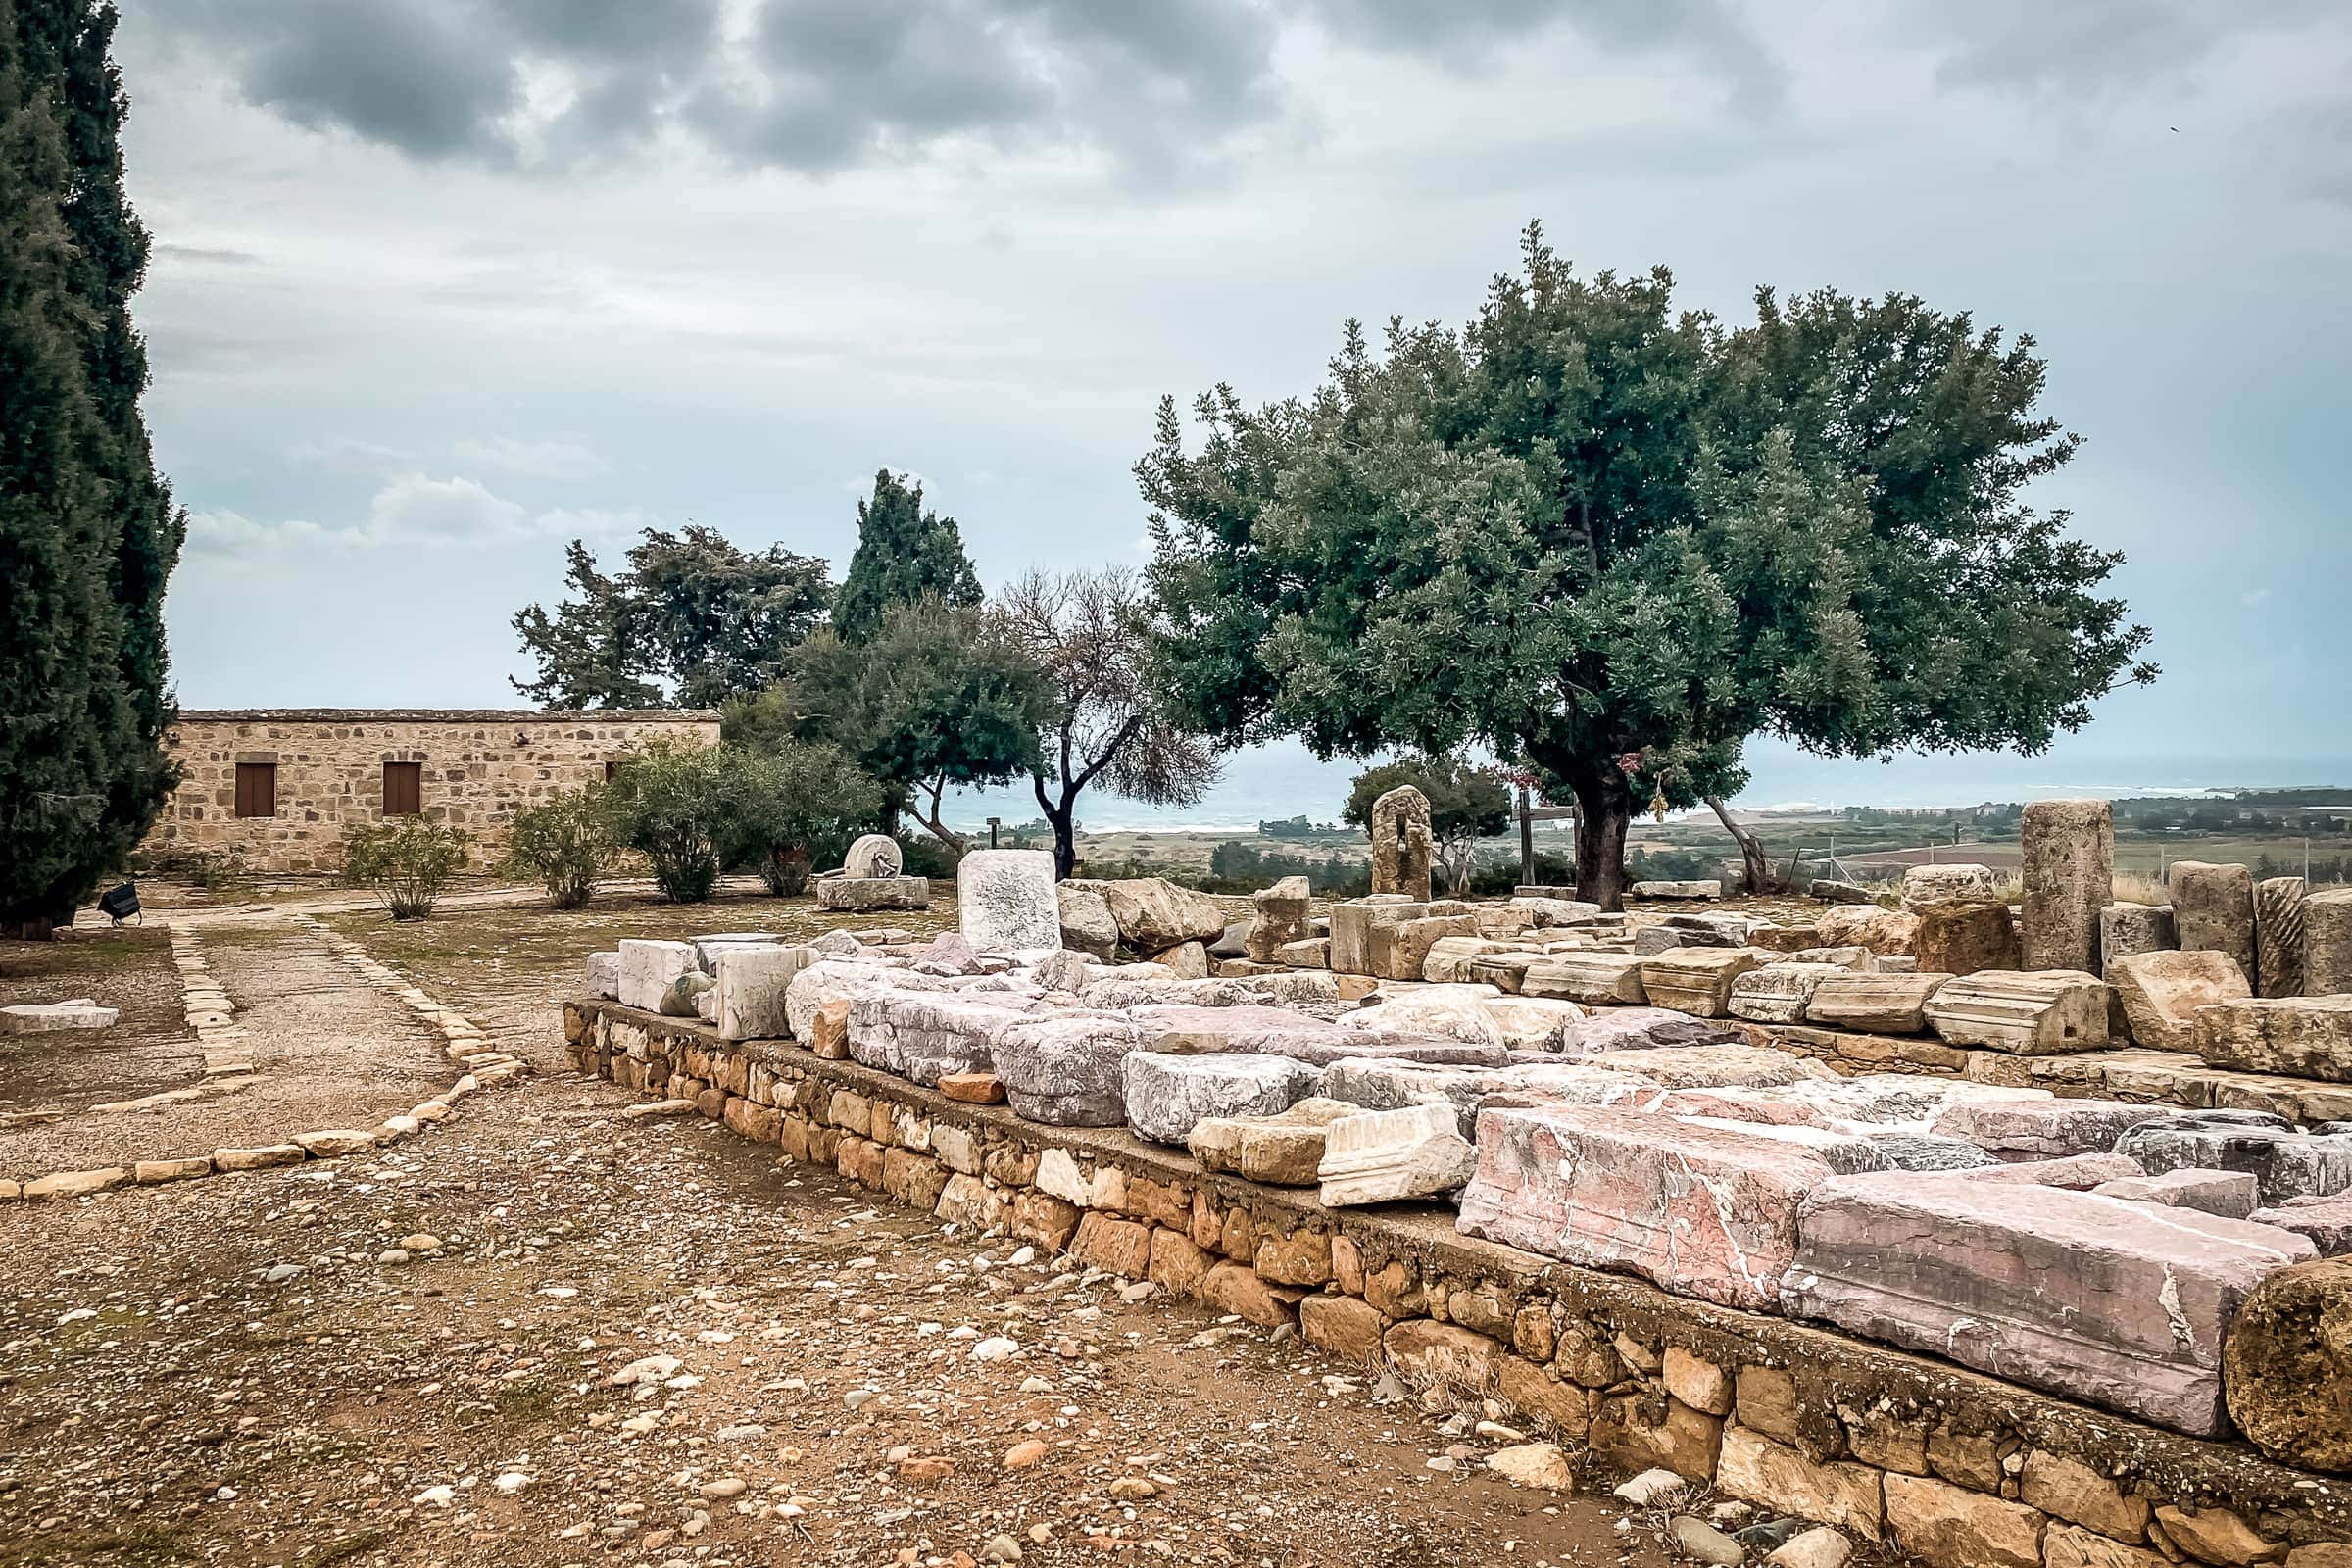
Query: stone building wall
pixel 478 767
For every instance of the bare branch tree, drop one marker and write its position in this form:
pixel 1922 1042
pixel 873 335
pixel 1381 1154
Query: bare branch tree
pixel 1086 631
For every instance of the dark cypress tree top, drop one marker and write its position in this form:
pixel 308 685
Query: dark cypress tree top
pixel 903 554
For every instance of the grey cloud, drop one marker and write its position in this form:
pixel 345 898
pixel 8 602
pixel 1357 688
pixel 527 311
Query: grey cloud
pixel 2096 45
pixel 1162 88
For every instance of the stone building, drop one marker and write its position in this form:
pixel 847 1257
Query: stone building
pixel 280 788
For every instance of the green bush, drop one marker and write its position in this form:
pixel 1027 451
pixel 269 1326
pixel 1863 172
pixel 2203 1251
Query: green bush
pixel 681 807
pixel 407 863
pixel 797 803
pixel 564 845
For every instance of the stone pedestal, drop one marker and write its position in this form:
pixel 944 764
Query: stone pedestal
pixel 1402 849
pixel 2328 943
pixel 2070 877
pixel 2279 935
pixel 874 893
pixel 2213 910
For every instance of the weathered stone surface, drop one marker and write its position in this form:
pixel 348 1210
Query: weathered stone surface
pixel 683 997
pixel 1283 1150
pixel 2068 854
pixel 1006 900
pixel 1688 889
pixel 1063 1069
pixel 1964 922
pixel 874 855
pixel 1887 933
pixel 2034 1013
pixel 647 970
pixel 752 982
pixel 2125 929
pixel 1166 1096
pixel 1282 918
pixel 1390 1084
pixel 845 980
pixel 1445 1352
pixel 82 1183
pixel 1155 913
pixel 2286 1163
pixel 1939 1525
pixel 41 1018
pixel 1875 1004
pixel 1779 992
pixel 2076 1173
pixel 1384 1156
pixel 1341 1325
pixel 2161 991
pixel 2328 943
pixel 2231 1194
pixel 2214 1535
pixel 1309 953
pixel 923 1035
pixel 1950 885
pixel 1615 1029
pixel 2289 1366
pixel 1546 1024
pixel 2279 935
pixel 972 1088
pixel 2064 1488
pixel 1087 923
pixel 1755 1469
pixel 1703 1211
pixel 862 892
pixel 1454 1011
pixel 2213 907
pixel 2307 1037
pixel 1184 1029
pixel 1187 960
pixel 1236 1289
pixel 1402 850
pixel 1695 980
pixel 2118 1305
pixel 267 1156
pixel 2044 1129
pixel 1356 923
pixel 604 975
pixel 1598 979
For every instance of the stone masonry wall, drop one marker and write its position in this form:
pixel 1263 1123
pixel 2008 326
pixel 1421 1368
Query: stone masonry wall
pixel 479 770
pixel 1947 1467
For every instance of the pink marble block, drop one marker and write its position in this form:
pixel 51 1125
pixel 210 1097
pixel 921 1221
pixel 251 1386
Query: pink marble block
pixel 2120 1304
pixel 1703 1211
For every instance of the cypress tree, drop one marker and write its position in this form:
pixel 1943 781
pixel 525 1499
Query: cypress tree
pixel 903 554
pixel 88 533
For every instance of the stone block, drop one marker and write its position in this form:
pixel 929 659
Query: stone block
pixel 1187 960
pixel 648 969
pixel 1966 937
pixel 1937 1525
pixel 604 975
pixel 1006 902
pixel 2289 1366
pixel 862 892
pixel 1695 980
pixel 1779 992
pixel 1690 889
pixel 2327 1222
pixel 1615 1029
pixel 1703 1211
pixel 1120 1246
pixel 2213 909
pixel 2068 870
pixel 1283 1150
pixel 1354 922
pixel 1755 1469
pixel 1445 1353
pixel 972 1088
pixel 1166 1096
pixel 2285 1163
pixel 2024 1012
pixel 2064 1488
pixel 922 1036
pixel 1063 1069
pixel 1087 923
pixel 752 982
pixel 1385 1155
pixel 1875 1004
pixel 42 1017
pixel 2279 935
pixel 1449 958
pixel 2161 991
pixel 1598 979
pixel 1886 933
pixel 2328 943
pixel 2305 1037
pixel 1546 1024
pixel 1453 1011
pixel 2114 1303
pixel 845 980
pixel 1282 918
pixel 1236 1289
pixel 2020 1127
pixel 1309 953
pixel 2125 929
pixel 2231 1194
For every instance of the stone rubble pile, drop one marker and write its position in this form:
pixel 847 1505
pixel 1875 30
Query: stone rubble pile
pixel 1579 1098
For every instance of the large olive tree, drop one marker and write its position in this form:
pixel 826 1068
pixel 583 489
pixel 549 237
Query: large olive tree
pixel 1617 540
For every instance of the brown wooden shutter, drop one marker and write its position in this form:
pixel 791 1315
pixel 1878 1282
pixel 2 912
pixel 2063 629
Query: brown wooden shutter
pixel 257 789
pixel 403 788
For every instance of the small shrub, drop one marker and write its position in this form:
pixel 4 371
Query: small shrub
pixel 799 804
pixel 564 845
pixel 681 807
pixel 407 863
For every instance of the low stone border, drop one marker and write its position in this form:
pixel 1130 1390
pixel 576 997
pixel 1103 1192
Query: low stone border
pixel 486 1066
pixel 1951 1468
pixel 211 1014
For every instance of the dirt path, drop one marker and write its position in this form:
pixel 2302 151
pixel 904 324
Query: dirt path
pixel 282 1368
pixel 331 1051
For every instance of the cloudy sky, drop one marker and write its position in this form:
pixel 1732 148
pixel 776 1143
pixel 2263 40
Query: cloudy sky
pixel 439 284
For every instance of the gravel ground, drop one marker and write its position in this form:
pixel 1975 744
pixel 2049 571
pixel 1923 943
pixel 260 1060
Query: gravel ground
pixel 331 1052
pixel 148 1048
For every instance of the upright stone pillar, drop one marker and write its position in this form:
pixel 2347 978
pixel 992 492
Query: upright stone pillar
pixel 1282 917
pixel 2279 935
pixel 2213 910
pixel 1402 846
pixel 2328 943
pixel 2070 877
